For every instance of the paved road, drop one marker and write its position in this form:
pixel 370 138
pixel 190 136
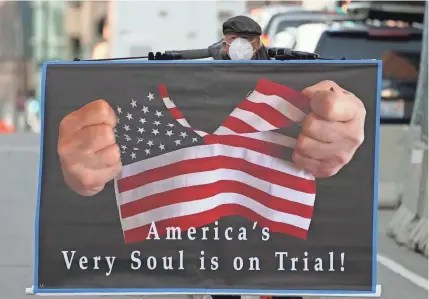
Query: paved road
pixel 19 165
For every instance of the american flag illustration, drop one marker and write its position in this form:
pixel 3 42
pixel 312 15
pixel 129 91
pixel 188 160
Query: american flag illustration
pixel 175 175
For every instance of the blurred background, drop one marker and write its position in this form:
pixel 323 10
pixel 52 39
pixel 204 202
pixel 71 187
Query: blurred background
pixel 35 31
pixel 32 32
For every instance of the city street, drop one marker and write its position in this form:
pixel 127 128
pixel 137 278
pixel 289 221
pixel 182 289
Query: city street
pixel 401 273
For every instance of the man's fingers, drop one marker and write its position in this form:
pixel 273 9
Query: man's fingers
pixel 107 157
pixel 331 102
pixel 85 143
pixel 329 153
pixel 325 131
pixel 88 182
pixel 94 113
pixel 111 172
pixel 96 138
pixel 97 112
pixel 317 168
pixel 323 85
pixel 334 105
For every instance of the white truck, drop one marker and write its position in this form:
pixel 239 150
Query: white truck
pixel 139 27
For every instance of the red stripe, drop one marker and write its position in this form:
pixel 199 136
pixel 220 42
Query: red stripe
pixel 175 112
pixel 191 193
pixel 238 126
pixel 163 90
pixel 293 96
pixel 205 218
pixel 213 163
pixel 263 147
pixel 266 112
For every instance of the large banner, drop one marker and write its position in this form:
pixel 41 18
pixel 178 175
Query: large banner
pixel 209 200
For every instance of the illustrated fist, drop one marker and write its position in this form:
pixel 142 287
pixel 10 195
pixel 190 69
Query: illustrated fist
pixel 332 132
pixel 87 148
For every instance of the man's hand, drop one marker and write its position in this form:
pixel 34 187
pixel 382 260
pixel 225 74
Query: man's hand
pixel 87 148
pixel 332 132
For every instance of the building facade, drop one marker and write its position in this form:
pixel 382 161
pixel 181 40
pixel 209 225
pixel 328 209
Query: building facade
pixel 63 30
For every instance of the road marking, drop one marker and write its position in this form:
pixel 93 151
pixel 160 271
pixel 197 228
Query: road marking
pixel 402 271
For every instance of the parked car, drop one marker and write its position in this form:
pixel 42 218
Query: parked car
pixel 264 14
pixel 280 31
pixel 398 47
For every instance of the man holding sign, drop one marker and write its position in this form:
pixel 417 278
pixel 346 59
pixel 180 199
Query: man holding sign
pixel 329 138
pixel 90 156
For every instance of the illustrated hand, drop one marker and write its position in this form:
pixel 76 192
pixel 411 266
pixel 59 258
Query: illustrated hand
pixel 332 132
pixel 87 148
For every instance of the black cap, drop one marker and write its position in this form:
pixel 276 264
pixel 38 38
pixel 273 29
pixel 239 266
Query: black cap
pixel 241 25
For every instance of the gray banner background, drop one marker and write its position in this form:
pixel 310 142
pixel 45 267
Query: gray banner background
pixel 343 216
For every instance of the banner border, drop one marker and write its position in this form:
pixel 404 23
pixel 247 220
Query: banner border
pixel 190 291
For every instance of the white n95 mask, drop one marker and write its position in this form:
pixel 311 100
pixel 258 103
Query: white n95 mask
pixel 240 49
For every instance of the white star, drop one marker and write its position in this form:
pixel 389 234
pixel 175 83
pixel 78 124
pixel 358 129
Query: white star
pixel 142 120
pixel 115 130
pixel 123 152
pixel 128 138
pixel 147 151
pixel 150 143
pixel 139 140
pixel 155 131
pixel 140 130
pixel 129 116
pixel 133 156
pixel 170 125
pixel 118 120
pixel 119 109
pixel 194 140
pixel 124 147
pixel 158 113
pixel 177 142
pixel 127 128
pixel 183 134
pixel 135 149
pixel 145 109
pixel 133 103
pixel 150 96
pixel 169 133
pixel 156 123
pixel 162 147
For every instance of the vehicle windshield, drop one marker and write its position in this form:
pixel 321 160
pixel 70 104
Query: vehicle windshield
pixel 288 24
pixel 399 56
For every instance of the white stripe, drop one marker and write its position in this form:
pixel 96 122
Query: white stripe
pixel 253 120
pixel 208 177
pixel 225 131
pixel 199 206
pixel 272 137
pixel 168 103
pixel 278 103
pixel 183 122
pixel 214 150
pixel 404 272
pixel 201 133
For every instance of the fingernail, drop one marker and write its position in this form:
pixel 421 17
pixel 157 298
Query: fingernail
pixel 331 89
pixel 346 92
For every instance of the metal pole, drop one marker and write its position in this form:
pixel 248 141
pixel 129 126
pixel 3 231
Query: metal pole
pixel 420 117
pixel 420 111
